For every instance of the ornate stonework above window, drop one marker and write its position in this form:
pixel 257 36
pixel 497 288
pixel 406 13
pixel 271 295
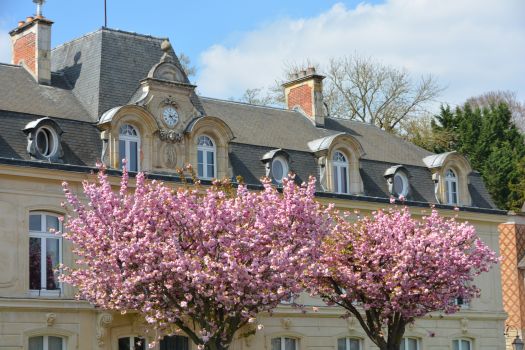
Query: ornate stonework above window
pixel 450 173
pixel 338 158
pixel 43 140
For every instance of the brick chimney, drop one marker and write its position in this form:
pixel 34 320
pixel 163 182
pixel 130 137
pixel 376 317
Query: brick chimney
pixel 31 47
pixel 305 91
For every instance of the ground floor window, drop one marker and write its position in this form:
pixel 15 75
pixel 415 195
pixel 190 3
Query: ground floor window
pixel 174 342
pixel 462 344
pixel 131 343
pixel 284 343
pixel 348 344
pixel 46 342
pixel 409 344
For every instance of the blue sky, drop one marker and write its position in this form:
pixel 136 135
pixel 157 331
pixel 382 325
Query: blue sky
pixel 470 46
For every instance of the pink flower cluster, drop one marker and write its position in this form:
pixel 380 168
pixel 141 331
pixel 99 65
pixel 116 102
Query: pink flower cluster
pixel 207 261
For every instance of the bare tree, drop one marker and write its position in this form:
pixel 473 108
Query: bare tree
pixel 516 107
pixel 256 97
pixel 378 94
pixel 185 62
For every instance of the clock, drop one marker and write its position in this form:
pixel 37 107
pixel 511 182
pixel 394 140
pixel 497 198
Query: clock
pixel 170 116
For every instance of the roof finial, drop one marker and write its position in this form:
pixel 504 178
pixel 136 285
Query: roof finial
pixel 166 47
pixel 39 4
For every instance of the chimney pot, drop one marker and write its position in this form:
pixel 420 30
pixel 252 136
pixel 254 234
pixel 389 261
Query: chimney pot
pixel 303 73
pixel 29 19
pixel 294 76
pixel 310 70
pixel 21 23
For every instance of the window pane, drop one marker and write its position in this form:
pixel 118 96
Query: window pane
pixel 200 164
pixel 465 345
pixel 121 153
pixel 123 344
pixel 412 344
pixel 354 344
pixel 52 255
pixel 35 223
pixel 344 180
pixel 341 344
pixel 52 223
pixel 455 343
pixel 174 342
pixel 289 344
pixel 209 156
pixel 55 343
pixel 398 185
pixel 402 347
pixel 34 263
pixel 336 179
pixel 277 170
pixel 133 157
pixel 276 344
pixel 139 343
pixel 36 343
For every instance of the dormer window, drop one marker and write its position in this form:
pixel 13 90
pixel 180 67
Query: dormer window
pixel 451 187
pixel 43 140
pixel 397 181
pixel 279 169
pixel 129 146
pixel 340 172
pixel 205 157
pixel 400 184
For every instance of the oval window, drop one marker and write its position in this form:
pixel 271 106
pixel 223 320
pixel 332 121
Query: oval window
pixel 279 169
pixel 46 142
pixel 400 184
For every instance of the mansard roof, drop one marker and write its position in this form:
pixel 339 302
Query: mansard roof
pixel 103 70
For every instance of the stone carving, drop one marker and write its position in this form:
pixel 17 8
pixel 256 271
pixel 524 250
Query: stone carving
pixel 350 323
pixel 171 156
pixel 286 322
pixel 103 322
pixel 169 101
pixel 170 136
pixel 50 319
pixel 464 325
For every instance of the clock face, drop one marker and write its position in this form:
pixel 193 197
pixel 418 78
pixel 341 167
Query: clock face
pixel 170 115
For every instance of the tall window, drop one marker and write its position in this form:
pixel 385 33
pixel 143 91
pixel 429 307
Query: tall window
pixel 205 157
pixel 131 343
pixel 129 147
pixel 284 343
pixel 45 251
pixel 451 187
pixel 462 344
pixel 174 342
pixel 348 344
pixel 340 172
pixel 409 344
pixel 46 343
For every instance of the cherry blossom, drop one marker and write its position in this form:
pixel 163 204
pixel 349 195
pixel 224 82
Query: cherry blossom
pixel 205 260
pixel 389 268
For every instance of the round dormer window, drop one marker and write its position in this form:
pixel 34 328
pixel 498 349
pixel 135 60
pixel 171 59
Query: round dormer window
pixel 279 169
pixel 400 184
pixel 46 141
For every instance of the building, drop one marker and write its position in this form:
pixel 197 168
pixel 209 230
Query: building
pixel 111 95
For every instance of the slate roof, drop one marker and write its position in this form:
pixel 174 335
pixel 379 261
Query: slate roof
pixel 103 69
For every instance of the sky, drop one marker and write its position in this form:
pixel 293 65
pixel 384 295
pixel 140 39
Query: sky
pixel 469 46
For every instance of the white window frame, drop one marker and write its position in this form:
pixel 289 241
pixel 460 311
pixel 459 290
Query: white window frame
pixel 51 138
pixel 336 168
pixel 43 235
pixel 347 342
pixel 460 340
pixel 131 341
pixel 45 345
pixel 449 180
pixel 405 341
pixel 205 150
pixel 127 142
pixel 283 342
pixel 284 165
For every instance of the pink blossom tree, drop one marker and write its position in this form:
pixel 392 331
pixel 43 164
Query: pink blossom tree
pixel 205 261
pixel 389 268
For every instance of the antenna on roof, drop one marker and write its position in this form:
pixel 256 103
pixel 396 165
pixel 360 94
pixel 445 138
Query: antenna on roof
pixel 39 4
pixel 105 15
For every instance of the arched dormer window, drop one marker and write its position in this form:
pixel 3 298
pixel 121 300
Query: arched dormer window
pixel 206 157
pixel 451 187
pixel 44 140
pixel 129 147
pixel 340 172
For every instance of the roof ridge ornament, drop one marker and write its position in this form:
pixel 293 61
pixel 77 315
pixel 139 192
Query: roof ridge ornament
pixel 167 48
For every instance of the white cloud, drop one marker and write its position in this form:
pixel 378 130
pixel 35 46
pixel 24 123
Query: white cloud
pixel 471 46
pixel 5 47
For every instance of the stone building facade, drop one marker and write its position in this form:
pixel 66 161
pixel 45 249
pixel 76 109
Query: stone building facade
pixel 111 95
